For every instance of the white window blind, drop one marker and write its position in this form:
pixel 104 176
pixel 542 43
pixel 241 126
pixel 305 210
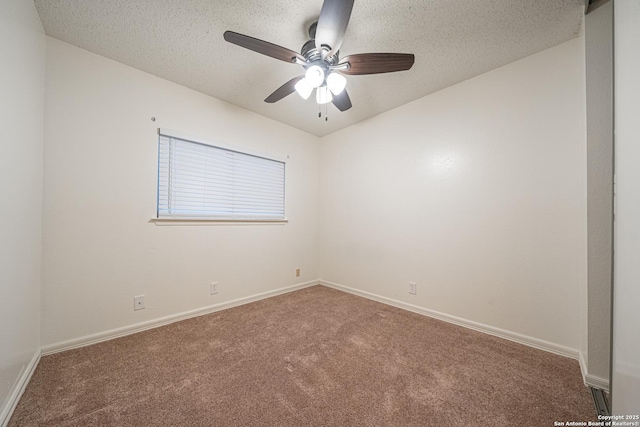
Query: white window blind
pixel 196 180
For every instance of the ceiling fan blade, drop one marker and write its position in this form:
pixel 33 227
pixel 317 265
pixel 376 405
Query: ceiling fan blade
pixel 263 47
pixel 332 23
pixel 376 63
pixel 286 89
pixel 342 101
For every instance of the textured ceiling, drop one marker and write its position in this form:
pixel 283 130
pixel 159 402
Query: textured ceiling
pixel 181 41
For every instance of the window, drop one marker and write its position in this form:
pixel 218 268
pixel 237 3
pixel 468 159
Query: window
pixel 201 181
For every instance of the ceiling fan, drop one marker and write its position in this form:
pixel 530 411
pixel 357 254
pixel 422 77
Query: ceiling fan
pixel 319 57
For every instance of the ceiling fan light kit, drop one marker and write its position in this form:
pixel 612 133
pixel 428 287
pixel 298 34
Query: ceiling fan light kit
pixel 336 83
pixel 319 56
pixel 303 88
pixel 323 95
pixel 314 76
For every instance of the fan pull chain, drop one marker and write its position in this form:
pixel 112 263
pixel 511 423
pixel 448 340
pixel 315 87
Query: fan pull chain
pixel 326 111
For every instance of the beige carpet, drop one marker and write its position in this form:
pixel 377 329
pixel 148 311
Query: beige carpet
pixel 315 357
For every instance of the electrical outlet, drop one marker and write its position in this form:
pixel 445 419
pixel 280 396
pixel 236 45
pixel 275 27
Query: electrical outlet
pixel 412 288
pixel 213 288
pixel 297 272
pixel 138 302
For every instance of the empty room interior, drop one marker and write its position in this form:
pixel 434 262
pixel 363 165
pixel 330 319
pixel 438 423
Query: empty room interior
pixel 416 228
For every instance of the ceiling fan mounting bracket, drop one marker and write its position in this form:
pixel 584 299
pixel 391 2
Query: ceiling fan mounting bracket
pixel 340 67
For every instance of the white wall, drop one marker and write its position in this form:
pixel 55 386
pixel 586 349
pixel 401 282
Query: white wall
pixel 100 193
pixel 599 86
pixel 477 193
pixel 22 76
pixel 625 381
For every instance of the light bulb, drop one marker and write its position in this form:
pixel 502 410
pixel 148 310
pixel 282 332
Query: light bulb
pixel 323 95
pixel 314 76
pixel 303 88
pixel 336 83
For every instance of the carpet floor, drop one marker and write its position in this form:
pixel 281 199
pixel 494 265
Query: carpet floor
pixel 314 357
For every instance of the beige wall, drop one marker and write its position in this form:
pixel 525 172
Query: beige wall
pixel 477 193
pixel 22 76
pixel 599 86
pixel 100 250
pixel 625 378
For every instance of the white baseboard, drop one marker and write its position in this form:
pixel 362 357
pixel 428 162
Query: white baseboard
pixel 596 382
pixel 501 333
pixel 592 380
pixel 583 366
pixel 18 389
pixel 155 323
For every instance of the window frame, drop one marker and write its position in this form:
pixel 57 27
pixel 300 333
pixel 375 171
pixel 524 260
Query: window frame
pixel 192 220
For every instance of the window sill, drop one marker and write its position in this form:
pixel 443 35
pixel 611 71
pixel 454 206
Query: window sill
pixel 206 221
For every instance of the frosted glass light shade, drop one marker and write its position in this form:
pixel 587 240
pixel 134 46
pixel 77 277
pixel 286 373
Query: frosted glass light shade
pixel 314 76
pixel 303 88
pixel 336 83
pixel 323 95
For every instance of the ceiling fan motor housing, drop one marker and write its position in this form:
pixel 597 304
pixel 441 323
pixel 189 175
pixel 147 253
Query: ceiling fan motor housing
pixel 315 56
